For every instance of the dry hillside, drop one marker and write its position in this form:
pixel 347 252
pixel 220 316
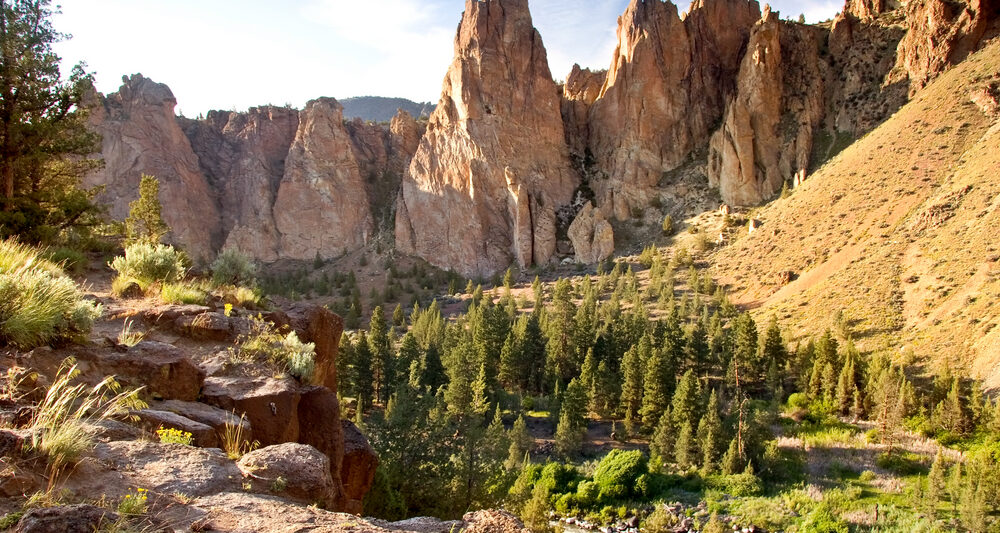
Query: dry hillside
pixel 900 232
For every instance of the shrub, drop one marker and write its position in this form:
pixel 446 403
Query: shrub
pixel 587 493
pixel 181 293
pixel 739 485
pixel 286 353
pixel 903 464
pixel 668 225
pixel 233 267
pixel 822 520
pixel 147 264
pixel 38 303
pixel 617 473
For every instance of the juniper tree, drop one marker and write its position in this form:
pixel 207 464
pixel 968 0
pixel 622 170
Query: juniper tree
pixel 45 145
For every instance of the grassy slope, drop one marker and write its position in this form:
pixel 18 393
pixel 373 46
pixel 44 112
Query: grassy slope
pixel 901 231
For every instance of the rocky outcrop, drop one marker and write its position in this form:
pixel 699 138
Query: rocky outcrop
pixel 321 208
pixel 869 9
pixel 243 156
pixel 943 33
pixel 80 518
pixel 592 236
pixel 273 182
pixel 666 88
pixel 492 169
pixel 358 467
pixel 141 136
pixel 767 134
pixel 581 90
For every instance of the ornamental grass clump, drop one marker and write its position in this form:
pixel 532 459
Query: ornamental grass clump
pixel 39 304
pixel 59 426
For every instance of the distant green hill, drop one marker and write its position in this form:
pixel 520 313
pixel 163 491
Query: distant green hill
pixel 381 109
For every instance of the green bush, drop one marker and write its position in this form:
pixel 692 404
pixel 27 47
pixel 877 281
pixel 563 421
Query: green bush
pixel 285 353
pixel 738 485
pixel 148 264
pixel 233 267
pixel 181 293
pixel 822 520
pixel 38 303
pixel 903 464
pixel 617 473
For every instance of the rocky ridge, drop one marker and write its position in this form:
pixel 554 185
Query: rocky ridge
pixel 760 102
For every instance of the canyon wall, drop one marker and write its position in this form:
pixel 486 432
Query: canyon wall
pixel 493 168
pixel 273 182
pixel 756 100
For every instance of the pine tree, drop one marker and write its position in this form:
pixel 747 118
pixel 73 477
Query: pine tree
pixel 365 379
pixel 398 316
pixel 521 443
pixel 661 446
pixel 972 506
pixel 383 360
pixel 845 388
pixel 935 485
pixel 145 220
pixel 45 144
pixel 603 392
pixel 956 417
pixel 710 434
pixel 732 461
pixel 655 397
pixel 686 448
pixel 632 383
pixel 955 486
pixel 409 352
pixel 345 367
pixel 686 405
pixel 569 436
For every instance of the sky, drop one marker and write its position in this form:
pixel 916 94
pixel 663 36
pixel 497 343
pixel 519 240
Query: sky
pixel 234 54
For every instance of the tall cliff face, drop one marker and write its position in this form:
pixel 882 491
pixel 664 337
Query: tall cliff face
pixel 664 92
pixel 243 156
pixel 767 133
pixel 942 33
pixel 493 167
pixel 273 182
pixel 321 208
pixel 141 136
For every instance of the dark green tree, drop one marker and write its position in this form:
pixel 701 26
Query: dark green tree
pixel 363 374
pixel 45 145
pixel 145 220
pixel 383 358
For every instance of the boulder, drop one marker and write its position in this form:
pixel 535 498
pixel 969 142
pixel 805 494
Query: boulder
pixel 291 470
pixel 208 415
pixel 171 468
pixel 492 521
pixel 322 327
pixel 65 519
pixel 493 168
pixel 207 326
pixel 161 368
pixel 357 469
pixel 592 236
pixel 203 436
pixel 271 405
pixel 320 427
pixel 169 314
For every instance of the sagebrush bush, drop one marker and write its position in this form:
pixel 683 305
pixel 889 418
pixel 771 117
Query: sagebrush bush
pixel 147 264
pixel 233 267
pixel 38 303
pixel 285 353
